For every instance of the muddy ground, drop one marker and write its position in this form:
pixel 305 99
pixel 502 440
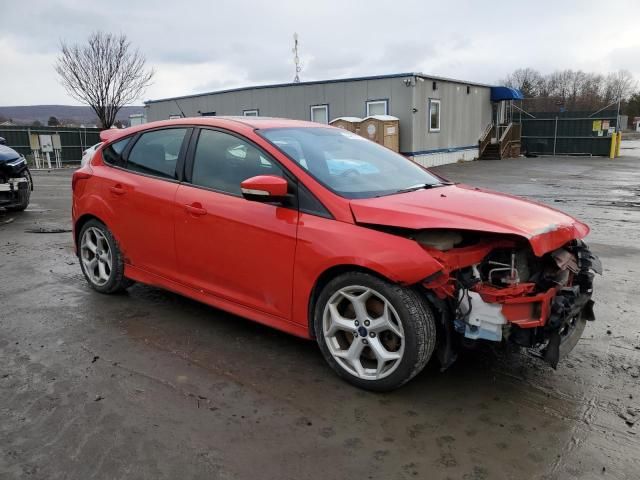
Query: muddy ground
pixel 151 385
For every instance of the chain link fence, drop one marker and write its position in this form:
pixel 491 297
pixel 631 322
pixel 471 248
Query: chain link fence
pixel 69 142
pixel 557 127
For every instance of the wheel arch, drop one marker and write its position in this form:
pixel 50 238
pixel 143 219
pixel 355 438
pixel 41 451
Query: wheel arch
pixel 80 222
pixel 325 277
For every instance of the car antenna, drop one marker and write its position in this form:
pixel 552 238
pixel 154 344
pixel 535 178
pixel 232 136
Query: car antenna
pixel 181 112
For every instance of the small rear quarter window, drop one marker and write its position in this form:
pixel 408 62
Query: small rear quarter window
pixel 112 154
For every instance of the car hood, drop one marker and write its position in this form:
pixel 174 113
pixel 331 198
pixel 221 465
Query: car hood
pixel 461 207
pixel 7 154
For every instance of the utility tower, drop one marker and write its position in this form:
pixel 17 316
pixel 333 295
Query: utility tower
pixel 296 59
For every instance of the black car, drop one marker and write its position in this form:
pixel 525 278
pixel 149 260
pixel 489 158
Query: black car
pixel 15 179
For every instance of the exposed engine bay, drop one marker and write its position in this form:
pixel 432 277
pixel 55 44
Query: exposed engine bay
pixel 493 287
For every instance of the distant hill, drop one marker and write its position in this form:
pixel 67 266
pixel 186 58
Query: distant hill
pixel 78 115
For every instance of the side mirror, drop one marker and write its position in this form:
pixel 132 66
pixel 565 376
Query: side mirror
pixel 264 188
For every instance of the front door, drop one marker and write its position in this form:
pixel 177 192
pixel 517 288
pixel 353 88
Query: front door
pixel 228 246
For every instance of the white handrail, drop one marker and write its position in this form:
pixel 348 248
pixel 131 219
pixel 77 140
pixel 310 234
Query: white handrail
pixel 506 130
pixel 486 131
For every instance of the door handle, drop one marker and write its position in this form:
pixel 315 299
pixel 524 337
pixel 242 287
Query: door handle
pixel 195 209
pixel 117 190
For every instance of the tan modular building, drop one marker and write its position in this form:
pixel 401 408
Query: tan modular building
pixel 440 119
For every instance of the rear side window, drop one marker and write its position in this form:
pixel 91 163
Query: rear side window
pixel 113 153
pixel 156 153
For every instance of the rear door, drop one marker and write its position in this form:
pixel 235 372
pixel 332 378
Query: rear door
pixel 142 195
pixel 228 246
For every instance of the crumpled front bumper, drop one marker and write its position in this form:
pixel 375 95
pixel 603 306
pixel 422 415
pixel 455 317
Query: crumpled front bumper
pixel 551 322
pixel 558 327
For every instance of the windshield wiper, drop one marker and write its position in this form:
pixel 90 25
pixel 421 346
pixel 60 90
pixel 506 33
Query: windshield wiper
pixel 419 186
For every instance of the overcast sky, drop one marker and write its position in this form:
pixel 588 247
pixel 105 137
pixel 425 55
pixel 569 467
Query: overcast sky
pixel 197 46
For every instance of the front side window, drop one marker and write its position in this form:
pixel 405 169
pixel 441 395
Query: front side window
pixel 434 115
pixel 320 114
pixel 222 161
pixel 377 107
pixel 156 153
pixel 113 153
pixel 348 164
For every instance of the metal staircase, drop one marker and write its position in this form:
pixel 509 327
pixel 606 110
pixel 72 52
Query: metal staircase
pixel 498 142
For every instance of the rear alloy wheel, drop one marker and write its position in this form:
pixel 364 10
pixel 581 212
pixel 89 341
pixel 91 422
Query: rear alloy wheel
pixel 375 334
pixel 101 259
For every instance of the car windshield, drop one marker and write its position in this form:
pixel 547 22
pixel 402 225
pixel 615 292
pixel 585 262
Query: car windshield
pixel 348 164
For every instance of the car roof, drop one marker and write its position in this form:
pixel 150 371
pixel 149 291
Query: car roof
pixel 224 122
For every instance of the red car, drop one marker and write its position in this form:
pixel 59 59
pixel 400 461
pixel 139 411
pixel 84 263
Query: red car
pixel 323 234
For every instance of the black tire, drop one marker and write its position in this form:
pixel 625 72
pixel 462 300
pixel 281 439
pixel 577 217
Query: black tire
pixel 117 282
pixel 412 311
pixel 24 195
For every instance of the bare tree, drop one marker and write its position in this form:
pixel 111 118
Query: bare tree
pixel 576 85
pixel 527 80
pixel 592 90
pixel 575 90
pixel 106 74
pixel 619 85
pixel 633 105
pixel 561 83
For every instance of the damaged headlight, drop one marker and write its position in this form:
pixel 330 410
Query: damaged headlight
pixel 442 240
pixel 17 162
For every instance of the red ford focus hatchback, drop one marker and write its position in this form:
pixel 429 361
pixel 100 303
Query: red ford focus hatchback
pixel 326 235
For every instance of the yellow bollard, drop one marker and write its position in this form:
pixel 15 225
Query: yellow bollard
pixel 618 142
pixel 612 150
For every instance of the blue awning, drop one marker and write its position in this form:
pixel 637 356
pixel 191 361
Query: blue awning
pixel 505 93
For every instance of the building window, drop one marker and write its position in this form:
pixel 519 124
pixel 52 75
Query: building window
pixel 320 113
pixel 250 113
pixel 207 114
pixel 377 107
pixel 434 115
pixel 174 117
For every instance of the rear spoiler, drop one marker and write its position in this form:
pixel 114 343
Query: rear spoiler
pixel 112 133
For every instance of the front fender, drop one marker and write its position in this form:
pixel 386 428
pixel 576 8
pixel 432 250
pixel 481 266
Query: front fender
pixel 324 244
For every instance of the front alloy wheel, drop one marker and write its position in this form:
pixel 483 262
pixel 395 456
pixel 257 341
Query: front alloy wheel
pixel 375 334
pixel 363 332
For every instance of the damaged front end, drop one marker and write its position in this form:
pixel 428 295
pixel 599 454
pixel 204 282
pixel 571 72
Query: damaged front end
pixel 15 179
pixel 495 288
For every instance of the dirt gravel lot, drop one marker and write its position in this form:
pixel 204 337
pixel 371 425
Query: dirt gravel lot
pixel 148 384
